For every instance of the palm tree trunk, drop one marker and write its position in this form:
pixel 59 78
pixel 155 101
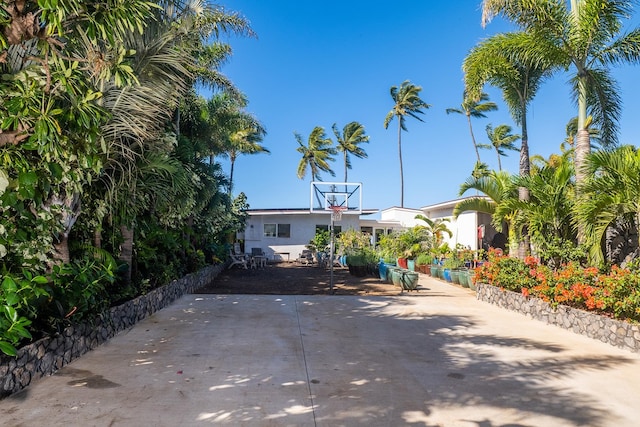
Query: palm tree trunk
pixel 233 162
pixel 400 156
pixel 583 148
pixel 346 190
pixel 97 238
pixel 473 139
pixel 61 249
pixel 524 248
pixel 345 166
pixel 499 162
pixel 126 250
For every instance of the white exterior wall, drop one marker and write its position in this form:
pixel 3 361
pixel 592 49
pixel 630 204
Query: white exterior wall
pixel 303 229
pixel 406 217
pixel 464 229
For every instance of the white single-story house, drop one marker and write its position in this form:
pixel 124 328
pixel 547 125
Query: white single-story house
pixel 283 234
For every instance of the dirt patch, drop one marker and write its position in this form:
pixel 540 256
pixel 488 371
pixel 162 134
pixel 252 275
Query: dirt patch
pixel 295 279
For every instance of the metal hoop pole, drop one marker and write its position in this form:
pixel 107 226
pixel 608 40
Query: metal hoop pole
pixel 331 249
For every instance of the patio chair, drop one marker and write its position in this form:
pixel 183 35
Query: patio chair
pixel 258 258
pixel 238 258
pixel 305 257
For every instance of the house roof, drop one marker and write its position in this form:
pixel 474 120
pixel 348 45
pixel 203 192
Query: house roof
pixel 450 203
pixel 297 211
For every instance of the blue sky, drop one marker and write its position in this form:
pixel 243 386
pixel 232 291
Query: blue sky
pixel 316 63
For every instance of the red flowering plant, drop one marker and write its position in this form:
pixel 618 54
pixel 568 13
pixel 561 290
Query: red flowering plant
pixel 504 272
pixel 619 293
pixel 571 284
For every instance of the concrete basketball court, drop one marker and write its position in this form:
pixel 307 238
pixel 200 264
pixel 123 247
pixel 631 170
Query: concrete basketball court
pixel 437 357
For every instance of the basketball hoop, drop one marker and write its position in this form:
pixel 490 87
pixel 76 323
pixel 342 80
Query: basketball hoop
pixel 336 212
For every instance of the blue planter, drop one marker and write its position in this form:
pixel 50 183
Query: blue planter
pixel 411 264
pixel 382 270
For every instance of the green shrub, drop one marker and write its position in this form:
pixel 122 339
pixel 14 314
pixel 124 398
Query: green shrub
pixel 79 291
pixel 19 298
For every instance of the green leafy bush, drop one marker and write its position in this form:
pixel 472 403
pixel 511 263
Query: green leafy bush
pixel 18 305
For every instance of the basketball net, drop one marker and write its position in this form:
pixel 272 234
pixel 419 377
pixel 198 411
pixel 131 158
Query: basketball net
pixel 336 212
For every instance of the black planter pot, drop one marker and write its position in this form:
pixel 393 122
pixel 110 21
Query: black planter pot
pixel 358 270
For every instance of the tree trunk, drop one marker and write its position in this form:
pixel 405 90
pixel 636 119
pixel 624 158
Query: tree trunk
pixel 126 250
pixel 61 249
pixel 524 248
pixel 233 162
pixel 583 149
pixel 71 208
pixel 400 156
pixel 97 238
pixel 473 138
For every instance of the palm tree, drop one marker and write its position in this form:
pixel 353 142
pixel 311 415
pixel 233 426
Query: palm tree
pixel 497 188
pixel 587 37
pixel 501 139
pixel 476 109
pixel 407 102
pixel 490 62
pixel 480 169
pixel 548 214
pixel 352 135
pixel 316 155
pixel 245 138
pixel 610 192
pixel 437 228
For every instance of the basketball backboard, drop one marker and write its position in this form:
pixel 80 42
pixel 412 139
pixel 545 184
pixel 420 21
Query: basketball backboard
pixel 324 196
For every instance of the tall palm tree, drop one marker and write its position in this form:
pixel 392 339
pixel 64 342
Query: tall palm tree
pixel 501 139
pixel 610 192
pixel 352 135
pixel 491 62
pixel 407 102
pixel 476 109
pixel 584 35
pixel 316 154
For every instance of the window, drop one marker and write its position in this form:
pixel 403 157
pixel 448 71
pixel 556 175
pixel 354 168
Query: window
pixel 284 230
pixel 277 230
pixel 337 229
pixel 270 230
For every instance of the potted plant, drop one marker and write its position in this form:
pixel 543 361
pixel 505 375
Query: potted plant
pixel 451 266
pixel 423 262
pixel 357 264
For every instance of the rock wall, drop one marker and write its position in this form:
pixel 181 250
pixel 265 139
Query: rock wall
pixel 611 331
pixel 46 356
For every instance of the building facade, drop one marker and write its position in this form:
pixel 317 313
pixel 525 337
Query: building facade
pixel 282 234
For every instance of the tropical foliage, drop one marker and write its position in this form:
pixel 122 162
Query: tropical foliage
pixel 106 189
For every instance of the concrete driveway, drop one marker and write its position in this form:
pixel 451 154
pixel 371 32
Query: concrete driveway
pixel 434 358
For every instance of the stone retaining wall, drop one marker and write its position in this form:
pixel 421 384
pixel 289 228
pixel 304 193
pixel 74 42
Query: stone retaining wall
pixel 46 356
pixel 611 331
